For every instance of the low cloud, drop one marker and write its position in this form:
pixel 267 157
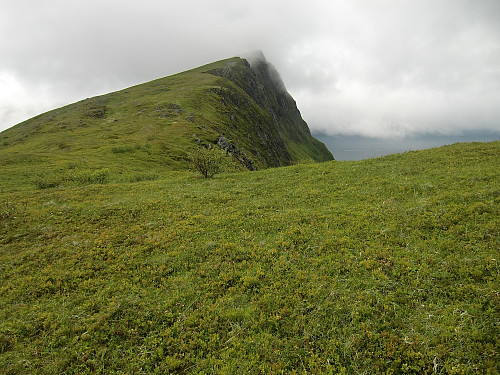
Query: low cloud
pixel 257 60
pixel 396 113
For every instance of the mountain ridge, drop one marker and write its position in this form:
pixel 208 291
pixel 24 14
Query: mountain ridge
pixel 153 126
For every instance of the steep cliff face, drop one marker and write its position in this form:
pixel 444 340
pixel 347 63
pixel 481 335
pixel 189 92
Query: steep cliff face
pixel 278 125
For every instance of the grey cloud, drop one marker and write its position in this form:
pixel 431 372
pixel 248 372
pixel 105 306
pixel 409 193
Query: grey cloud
pixel 385 68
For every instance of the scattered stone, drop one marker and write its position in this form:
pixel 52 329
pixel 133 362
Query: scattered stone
pixel 222 142
pixel 96 112
pixel 232 150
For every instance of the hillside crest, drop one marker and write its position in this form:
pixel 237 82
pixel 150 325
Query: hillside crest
pixel 242 107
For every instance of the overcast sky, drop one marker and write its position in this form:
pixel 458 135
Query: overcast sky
pixel 380 68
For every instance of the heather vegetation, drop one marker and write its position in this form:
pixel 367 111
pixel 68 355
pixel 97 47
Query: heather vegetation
pixel 386 265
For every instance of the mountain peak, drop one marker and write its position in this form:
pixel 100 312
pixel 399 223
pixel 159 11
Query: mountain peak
pixel 260 80
pixel 260 65
pixel 237 104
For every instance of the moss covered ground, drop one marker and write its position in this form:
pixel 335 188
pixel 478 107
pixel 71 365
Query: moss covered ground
pixel 386 265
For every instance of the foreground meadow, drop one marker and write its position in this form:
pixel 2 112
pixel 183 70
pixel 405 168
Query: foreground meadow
pixel 387 265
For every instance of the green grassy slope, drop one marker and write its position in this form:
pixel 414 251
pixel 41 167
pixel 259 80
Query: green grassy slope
pixel 387 265
pixel 143 131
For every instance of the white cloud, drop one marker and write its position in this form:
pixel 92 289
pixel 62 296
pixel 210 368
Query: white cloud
pixel 380 68
pixel 13 92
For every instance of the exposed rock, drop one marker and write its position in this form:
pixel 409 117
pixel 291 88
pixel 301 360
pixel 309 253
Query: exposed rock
pixel 222 142
pixel 232 150
pixel 246 162
pixel 96 112
pixel 168 110
pixel 198 140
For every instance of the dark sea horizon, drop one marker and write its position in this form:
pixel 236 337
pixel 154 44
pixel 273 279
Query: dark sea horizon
pixel 347 147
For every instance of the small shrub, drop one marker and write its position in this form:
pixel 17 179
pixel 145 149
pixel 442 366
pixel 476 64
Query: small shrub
pixel 207 161
pixel 98 176
pixel 72 178
pixel 7 210
pixel 47 181
pixel 72 165
pixel 124 148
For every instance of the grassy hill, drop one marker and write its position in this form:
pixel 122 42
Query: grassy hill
pixel 387 265
pixel 141 132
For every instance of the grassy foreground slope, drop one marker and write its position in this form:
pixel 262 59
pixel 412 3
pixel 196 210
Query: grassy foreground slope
pixel 387 265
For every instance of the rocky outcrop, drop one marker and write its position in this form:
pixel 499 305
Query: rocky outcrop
pixel 259 98
pixel 234 151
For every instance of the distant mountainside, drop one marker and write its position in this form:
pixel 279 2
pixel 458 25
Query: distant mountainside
pixel 140 131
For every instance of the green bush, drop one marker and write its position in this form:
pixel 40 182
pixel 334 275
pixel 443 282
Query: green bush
pixel 75 177
pixel 47 181
pixel 98 176
pixel 207 161
pixel 121 149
